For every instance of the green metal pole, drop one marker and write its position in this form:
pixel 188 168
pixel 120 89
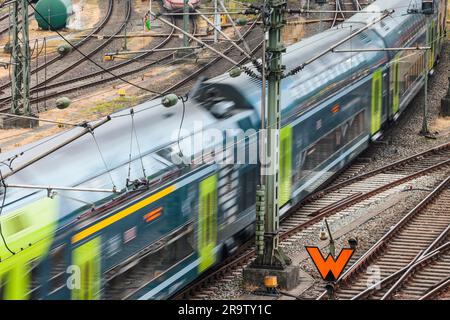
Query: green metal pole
pixel 186 22
pixel 15 57
pixel 20 89
pixel 425 130
pixel 273 257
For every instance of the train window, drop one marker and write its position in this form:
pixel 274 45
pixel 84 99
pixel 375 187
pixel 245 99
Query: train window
pixel 15 224
pixel 157 259
pixel 34 290
pixel 335 140
pixel 247 194
pixel 57 268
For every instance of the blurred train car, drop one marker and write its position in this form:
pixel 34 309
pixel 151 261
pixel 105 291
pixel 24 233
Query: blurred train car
pixel 178 5
pixel 173 220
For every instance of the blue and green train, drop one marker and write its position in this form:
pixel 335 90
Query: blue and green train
pixel 173 220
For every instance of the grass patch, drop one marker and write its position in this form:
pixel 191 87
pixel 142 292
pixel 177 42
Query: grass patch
pixel 114 105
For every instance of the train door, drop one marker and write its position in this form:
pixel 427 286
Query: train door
pixel 432 43
pixel 86 280
pixel 376 101
pixel 14 284
pixel 285 185
pixel 207 222
pixel 29 233
pixel 395 84
pixel 385 96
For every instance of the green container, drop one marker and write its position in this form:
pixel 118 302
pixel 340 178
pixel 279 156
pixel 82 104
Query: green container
pixel 55 12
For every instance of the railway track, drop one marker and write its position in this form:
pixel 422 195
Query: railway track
pixel 61 90
pixel 56 58
pixel 41 86
pixel 334 202
pixel 102 80
pixel 413 257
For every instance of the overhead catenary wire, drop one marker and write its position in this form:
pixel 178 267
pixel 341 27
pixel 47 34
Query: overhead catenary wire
pixel 233 43
pixel 133 131
pixel 322 53
pixel 89 128
pixel 183 101
pixel 42 119
pixel 92 61
pixel 157 16
pixel 103 159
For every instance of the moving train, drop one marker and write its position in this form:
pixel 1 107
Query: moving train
pixel 141 224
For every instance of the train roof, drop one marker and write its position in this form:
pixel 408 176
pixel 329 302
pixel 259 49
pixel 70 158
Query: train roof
pixel 321 76
pixel 392 28
pixel 80 163
pixel 318 75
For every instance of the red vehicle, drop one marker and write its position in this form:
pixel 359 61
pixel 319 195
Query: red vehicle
pixel 177 5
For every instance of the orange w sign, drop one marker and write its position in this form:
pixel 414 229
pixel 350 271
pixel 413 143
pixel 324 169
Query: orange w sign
pixel 330 269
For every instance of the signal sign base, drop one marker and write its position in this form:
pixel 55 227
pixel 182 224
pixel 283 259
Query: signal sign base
pixel 16 123
pixel 288 277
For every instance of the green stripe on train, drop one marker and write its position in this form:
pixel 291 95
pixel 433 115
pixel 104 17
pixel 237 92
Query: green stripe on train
pixel 396 84
pixel 29 232
pixel 376 101
pixel 87 258
pixel 285 165
pixel 207 222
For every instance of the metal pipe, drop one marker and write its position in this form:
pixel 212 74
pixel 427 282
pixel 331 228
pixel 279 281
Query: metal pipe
pixel 195 39
pixel 57 147
pixel 236 30
pixel 28 186
pixel 40 119
pixel 225 36
pixel 196 13
pixel 148 51
pixel 262 137
pixel 186 22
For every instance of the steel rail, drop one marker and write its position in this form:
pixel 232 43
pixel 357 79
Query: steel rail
pixel 76 63
pixel 100 72
pixel 383 240
pixel 416 157
pixel 105 80
pixel 415 262
pixel 78 44
pixel 433 291
pixel 240 258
